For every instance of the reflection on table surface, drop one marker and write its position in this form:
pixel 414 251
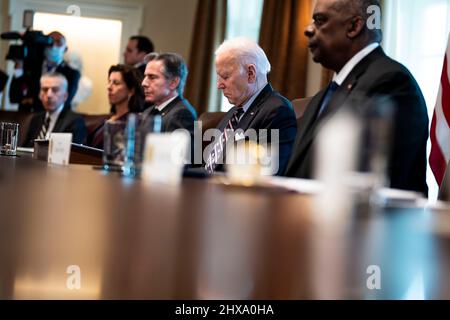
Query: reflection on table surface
pixel 78 233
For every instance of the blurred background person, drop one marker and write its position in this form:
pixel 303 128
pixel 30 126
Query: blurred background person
pixel 56 117
pixel 137 48
pixel 85 84
pixel 125 94
pixel 21 90
pixel 3 81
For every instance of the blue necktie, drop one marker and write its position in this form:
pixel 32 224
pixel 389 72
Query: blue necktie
pixel 332 87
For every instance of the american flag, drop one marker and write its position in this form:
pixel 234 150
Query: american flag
pixel 440 126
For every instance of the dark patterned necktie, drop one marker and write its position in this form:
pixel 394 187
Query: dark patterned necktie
pixel 154 111
pixel 43 133
pixel 217 153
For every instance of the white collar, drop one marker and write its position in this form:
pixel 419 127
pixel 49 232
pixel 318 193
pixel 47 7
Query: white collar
pixel 165 103
pixel 252 98
pixel 340 77
pixel 53 119
pixel 55 114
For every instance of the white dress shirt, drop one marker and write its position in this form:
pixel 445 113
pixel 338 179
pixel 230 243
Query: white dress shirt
pixel 53 118
pixel 165 104
pixel 340 77
pixel 249 102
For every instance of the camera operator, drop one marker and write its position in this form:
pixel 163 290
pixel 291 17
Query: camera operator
pixel 21 90
pixel 3 80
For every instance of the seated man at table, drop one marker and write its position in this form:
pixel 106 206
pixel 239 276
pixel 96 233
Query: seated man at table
pixel 242 68
pixel 340 39
pixel 53 95
pixel 164 81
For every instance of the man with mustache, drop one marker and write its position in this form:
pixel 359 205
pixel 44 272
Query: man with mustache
pixel 341 39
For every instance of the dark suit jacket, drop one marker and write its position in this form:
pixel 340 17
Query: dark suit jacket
pixel 270 110
pixel 178 114
pixel 25 84
pixel 67 121
pixel 375 76
pixel 141 69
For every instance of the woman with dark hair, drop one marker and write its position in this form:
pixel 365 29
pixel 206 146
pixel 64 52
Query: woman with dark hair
pixel 125 95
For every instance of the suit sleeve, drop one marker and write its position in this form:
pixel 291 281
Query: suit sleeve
pixel 183 119
pixel 31 132
pixel 282 118
pixel 79 131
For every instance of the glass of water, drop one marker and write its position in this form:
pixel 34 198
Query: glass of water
pixel 9 133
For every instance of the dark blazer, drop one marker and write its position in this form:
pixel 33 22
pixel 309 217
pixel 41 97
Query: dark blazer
pixel 178 114
pixel 141 69
pixel 24 84
pixel 375 76
pixel 67 121
pixel 270 110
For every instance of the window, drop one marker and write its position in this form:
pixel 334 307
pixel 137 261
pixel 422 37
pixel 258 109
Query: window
pixel 415 34
pixel 243 20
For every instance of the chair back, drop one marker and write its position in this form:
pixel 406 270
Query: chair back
pixel 300 105
pixel 93 121
pixel 211 119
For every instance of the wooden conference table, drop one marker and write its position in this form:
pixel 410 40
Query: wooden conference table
pixel 78 233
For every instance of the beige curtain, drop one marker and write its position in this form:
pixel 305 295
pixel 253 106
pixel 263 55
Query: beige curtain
pixel 281 36
pixel 209 33
pixel 327 75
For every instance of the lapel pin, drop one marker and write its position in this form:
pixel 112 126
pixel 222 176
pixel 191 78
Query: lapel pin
pixel 350 87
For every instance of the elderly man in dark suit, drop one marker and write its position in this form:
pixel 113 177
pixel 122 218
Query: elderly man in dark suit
pixel 165 78
pixel 242 68
pixel 56 118
pixel 342 39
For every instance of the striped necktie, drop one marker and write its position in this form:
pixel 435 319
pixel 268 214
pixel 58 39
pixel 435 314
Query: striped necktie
pixel 44 129
pixel 217 153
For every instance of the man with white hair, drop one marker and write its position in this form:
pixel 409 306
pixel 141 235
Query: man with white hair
pixel 53 94
pixel 242 68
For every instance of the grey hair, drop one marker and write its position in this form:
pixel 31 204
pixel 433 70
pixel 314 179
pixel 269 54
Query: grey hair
pixel 58 75
pixel 174 67
pixel 245 52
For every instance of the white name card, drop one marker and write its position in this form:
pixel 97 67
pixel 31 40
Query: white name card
pixel 59 148
pixel 164 157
